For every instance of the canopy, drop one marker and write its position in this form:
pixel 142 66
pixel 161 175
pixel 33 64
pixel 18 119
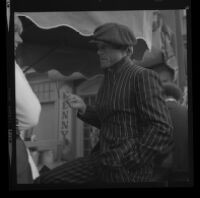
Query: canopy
pixel 60 40
pixel 85 22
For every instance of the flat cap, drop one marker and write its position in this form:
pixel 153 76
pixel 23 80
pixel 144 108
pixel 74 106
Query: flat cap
pixel 115 34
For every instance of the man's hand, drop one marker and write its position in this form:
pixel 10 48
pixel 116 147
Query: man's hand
pixel 75 102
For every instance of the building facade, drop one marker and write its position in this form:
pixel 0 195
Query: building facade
pixel 60 135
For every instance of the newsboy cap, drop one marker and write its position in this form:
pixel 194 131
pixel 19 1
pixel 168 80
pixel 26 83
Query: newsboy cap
pixel 114 34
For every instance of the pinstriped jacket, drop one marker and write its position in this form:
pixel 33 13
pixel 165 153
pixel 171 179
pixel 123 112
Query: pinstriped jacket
pixel 135 125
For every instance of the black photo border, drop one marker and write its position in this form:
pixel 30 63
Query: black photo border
pixel 85 5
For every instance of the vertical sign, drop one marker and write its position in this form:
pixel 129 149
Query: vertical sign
pixel 65 121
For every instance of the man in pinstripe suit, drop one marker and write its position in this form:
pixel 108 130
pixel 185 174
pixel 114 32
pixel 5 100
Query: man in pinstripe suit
pixel 130 111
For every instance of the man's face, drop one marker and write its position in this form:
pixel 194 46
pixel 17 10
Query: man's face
pixel 165 76
pixel 18 31
pixel 109 55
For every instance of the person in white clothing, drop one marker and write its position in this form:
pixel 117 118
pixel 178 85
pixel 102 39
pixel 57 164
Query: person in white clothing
pixel 28 110
pixel 27 104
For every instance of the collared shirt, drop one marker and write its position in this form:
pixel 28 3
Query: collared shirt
pixel 135 125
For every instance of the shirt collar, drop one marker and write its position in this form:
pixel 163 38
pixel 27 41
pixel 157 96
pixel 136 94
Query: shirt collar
pixel 117 67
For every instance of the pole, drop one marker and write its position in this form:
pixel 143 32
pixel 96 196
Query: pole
pixel 180 49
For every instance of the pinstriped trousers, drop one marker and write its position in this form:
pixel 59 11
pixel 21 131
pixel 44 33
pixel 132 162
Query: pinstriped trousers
pixel 88 170
pixel 79 171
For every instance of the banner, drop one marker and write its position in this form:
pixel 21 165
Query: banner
pixel 65 122
pixel 163 38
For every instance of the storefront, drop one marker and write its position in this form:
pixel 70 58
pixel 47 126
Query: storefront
pixel 60 135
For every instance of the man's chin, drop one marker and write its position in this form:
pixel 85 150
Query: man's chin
pixel 104 65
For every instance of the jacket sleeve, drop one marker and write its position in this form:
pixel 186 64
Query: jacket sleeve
pixel 156 132
pixel 90 117
pixel 28 107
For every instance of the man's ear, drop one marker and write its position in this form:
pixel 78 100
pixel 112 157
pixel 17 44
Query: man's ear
pixel 129 51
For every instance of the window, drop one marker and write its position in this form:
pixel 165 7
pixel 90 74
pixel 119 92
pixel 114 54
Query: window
pixel 45 91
